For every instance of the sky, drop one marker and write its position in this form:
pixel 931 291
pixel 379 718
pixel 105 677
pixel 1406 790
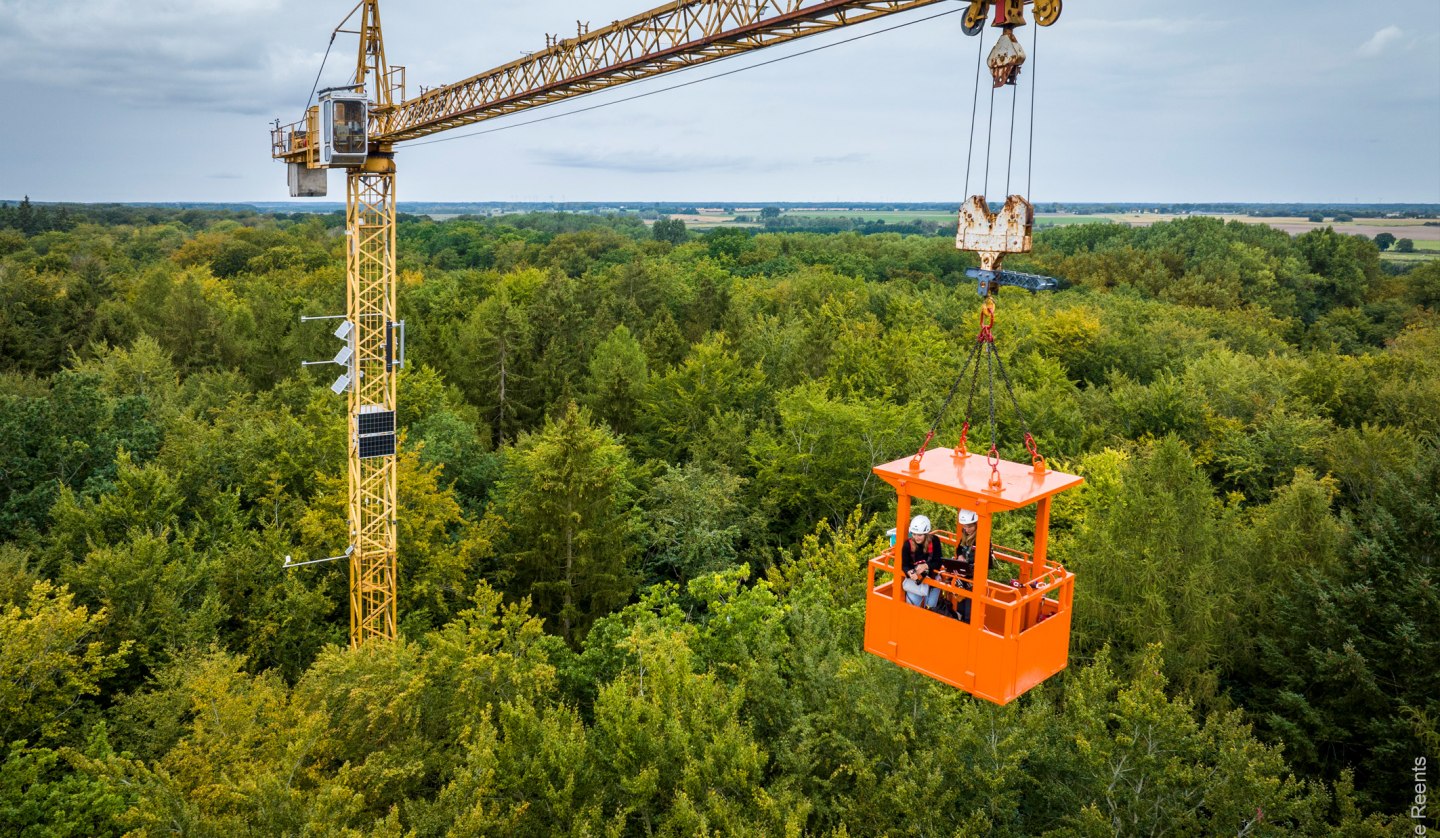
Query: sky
pixel 1135 100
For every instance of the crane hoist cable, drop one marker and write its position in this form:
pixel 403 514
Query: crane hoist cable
pixel 339 27
pixel 1034 88
pixel 994 235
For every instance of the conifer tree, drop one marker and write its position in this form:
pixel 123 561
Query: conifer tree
pixel 570 522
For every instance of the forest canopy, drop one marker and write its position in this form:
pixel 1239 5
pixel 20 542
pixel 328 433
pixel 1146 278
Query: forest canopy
pixel 1257 611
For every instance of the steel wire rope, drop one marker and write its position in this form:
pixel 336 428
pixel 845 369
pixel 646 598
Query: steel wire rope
pixel 319 72
pixel 989 135
pixel 974 109
pixel 1034 88
pixel 1010 161
pixel 414 143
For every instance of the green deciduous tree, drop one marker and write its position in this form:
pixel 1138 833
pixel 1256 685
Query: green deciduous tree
pixel 65 792
pixel 1154 548
pixel 711 382
pixel 51 660
pixel 817 463
pixel 1144 763
pixel 696 521
pixel 670 230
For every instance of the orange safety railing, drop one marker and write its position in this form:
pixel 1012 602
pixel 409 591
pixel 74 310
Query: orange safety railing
pixel 1056 586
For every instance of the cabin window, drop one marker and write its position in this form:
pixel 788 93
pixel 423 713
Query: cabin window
pixel 350 119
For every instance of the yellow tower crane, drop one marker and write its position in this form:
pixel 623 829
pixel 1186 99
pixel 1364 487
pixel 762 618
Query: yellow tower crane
pixel 357 127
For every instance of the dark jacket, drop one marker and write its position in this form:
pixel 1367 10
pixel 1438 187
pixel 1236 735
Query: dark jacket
pixel 966 554
pixel 930 552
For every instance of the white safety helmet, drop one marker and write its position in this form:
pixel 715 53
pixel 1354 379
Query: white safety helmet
pixel 967 518
pixel 919 525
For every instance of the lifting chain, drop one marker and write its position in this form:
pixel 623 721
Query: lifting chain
pixel 984 346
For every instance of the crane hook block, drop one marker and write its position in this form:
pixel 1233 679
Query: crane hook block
pixel 1006 58
pixel 993 235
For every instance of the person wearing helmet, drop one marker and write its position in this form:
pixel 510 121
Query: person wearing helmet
pixel 918 555
pixel 967 525
pixel 965 535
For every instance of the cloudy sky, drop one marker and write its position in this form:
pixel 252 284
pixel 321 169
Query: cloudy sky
pixel 1137 100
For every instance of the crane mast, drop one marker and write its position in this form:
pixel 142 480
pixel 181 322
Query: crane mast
pixel 356 128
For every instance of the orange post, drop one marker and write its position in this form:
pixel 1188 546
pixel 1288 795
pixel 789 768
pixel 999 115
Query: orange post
pixel 982 573
pixel 902 531
pixel 1037 561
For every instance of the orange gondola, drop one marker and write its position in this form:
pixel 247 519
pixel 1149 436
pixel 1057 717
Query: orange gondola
pixel 1018 633
pixel 996 639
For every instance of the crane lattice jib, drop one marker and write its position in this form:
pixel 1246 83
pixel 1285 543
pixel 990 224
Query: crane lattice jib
pixel 668 38
pixel 671 37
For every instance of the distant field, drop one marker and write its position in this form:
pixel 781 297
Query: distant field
pixel 1050 220
pixel 936 216
pixel 894 217
pixel 1426 238
pixel 1400 228
pixel 876 215
pixel 1426 250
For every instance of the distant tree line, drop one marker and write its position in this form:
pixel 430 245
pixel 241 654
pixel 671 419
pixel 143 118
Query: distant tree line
pixel 29 219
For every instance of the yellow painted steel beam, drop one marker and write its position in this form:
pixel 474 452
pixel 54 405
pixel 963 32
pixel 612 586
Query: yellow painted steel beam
pixel 671 37
pixel 370 67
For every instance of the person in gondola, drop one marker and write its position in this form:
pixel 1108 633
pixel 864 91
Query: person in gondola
pixel 965 554
pixel 921 552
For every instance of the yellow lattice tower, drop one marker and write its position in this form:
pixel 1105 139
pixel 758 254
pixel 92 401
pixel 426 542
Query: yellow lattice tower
pixel 370 308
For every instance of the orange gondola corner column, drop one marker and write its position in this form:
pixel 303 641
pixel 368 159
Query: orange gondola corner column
pixel 897 561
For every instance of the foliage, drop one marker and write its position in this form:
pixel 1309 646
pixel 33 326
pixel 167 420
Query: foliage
pixel 636 505
pixel 670 230
pixel 568 527
pixel 51 661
